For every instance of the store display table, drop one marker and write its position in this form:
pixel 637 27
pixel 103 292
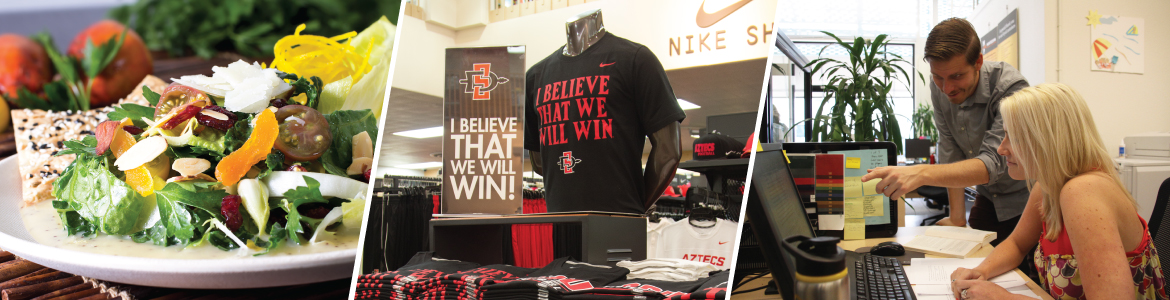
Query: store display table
pixel 605 238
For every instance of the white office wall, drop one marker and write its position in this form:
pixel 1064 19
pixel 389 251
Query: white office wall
pixel 1031 30
pixel 1122 104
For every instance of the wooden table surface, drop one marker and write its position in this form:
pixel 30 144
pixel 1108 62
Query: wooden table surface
pixel 904 235
pixel 174 68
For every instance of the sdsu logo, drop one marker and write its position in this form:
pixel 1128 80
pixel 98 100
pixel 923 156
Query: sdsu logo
pixel 568 162
pixel 483 81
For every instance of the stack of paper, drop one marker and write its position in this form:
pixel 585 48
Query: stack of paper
pixel 931 277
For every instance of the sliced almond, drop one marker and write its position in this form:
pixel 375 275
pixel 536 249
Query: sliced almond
pixel 359 166
pixel 362 145
pixel 141 153
pixel 199 176
pixel 215 114
pixel 189 166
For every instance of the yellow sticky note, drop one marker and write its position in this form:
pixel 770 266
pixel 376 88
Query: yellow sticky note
pixel 854 229
pixel 854 207
pixel 853 163
pixel 873 206
pixel 870 187
pixel 852 186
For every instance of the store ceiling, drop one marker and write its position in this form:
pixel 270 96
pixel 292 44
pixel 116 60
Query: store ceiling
pixel 719 89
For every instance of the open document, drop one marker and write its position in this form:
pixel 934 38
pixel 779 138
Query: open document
pixel 931 277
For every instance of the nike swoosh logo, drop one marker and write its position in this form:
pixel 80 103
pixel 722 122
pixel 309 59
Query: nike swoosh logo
pixel 704 19
pixel 721 243
pixel 606 65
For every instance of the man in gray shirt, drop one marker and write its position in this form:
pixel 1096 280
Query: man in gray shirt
pixel 966 94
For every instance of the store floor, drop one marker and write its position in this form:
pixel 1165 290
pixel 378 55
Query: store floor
pixel 915 215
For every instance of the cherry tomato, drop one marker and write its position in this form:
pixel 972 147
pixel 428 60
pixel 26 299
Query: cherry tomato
pixel 175 95
pixel 304 133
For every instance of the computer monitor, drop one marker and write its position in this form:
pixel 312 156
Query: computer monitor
pixel 916 148
pixel 885 225
pixel 776 212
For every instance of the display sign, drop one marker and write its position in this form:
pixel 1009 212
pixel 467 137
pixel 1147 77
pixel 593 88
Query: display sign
pixel 1002 43
pixel 483 130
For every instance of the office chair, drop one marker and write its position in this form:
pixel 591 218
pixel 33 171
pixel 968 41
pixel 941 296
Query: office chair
pixel 936 198
pixel 1159 222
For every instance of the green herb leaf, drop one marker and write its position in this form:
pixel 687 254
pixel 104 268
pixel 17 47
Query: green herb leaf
pixel 311 87
pixel 196 194
pixel 85 146
pixel 64 65
pixel 277 235
pixel 274 162
pixel 311 193
pixel 96 58
pixel 150 95
pixel 235 137
pixel 133 111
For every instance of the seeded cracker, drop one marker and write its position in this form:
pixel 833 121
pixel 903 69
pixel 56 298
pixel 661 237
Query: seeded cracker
pixel 39 135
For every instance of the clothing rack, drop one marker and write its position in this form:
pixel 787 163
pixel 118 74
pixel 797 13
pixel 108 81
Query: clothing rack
pixel 397 226
pixel 395 181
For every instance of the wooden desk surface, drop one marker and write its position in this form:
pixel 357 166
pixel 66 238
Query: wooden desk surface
pixel 905 234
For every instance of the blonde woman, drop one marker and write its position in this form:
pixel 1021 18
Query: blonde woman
pixel 1093 244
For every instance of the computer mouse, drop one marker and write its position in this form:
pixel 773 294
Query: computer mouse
pixel 888 249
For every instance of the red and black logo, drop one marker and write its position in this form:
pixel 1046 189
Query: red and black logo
pixel 483 81
pixel 568 162
pixel 705 149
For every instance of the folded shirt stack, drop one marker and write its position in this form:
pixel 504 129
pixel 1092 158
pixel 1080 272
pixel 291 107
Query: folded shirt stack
pixel 638 289
pixel 468 285
pixel 555 280
pixel 667 269
pixel 715 288
pixel 410 281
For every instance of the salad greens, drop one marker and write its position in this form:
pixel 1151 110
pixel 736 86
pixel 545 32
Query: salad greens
pixel 189 208
pixel 344 124
pixel 97 195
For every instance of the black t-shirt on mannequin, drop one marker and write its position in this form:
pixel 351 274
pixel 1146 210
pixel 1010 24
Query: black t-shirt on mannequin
pixel 589 115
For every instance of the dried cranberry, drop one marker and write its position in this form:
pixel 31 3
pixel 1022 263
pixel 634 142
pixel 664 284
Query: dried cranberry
pixel 231 212
pixel 367 174
pixel 206 119
pixel 314 210
pixel 278 102
pixel 132 129
pixel 187 113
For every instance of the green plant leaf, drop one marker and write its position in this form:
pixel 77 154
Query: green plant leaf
pixel 150 95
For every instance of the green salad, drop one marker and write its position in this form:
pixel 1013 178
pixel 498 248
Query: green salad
pixel 242 161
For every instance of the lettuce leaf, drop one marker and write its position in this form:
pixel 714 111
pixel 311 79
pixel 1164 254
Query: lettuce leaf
pixel 98 196
pixel 344 124
pixel 177 220
pixel 293 199
pixel 73 222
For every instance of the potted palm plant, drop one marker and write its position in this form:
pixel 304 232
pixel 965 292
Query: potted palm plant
pixel 857 95
pixel 923 122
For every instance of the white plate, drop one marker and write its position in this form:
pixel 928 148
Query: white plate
pixel 252 272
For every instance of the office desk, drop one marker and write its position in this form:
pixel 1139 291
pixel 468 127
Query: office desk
pixel 905 234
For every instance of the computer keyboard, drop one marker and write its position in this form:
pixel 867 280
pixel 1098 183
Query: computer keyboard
pixel 877 277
